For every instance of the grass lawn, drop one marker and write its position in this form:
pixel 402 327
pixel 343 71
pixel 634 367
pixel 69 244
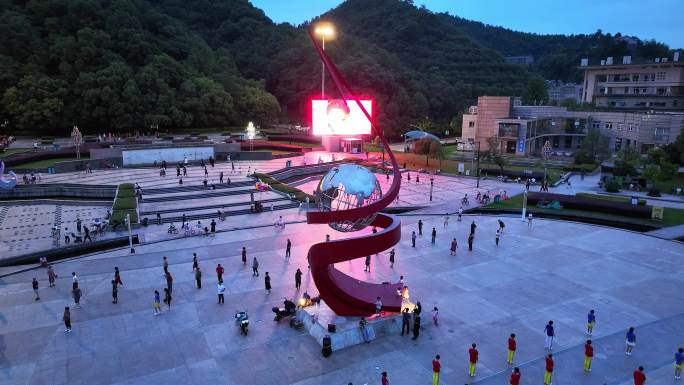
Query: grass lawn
pixel 666 186
pixel 11 151
pixel 612 198
pixel 671 216
pixel 46 163
pixel 300 144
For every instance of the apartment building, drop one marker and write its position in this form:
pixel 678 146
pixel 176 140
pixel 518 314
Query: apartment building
pixel 656 85
pixel 559 91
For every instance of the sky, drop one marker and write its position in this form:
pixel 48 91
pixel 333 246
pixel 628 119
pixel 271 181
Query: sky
pixel 651 19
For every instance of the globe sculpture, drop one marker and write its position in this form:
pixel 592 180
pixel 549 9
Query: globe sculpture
pixel 345 187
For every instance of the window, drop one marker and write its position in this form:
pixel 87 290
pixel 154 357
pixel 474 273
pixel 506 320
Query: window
pixel 630 127
pixel 471 124
pixel 635 77
pixel 596 125
pixel 620 126
pixel 608 125
pixel 618 144
pixel 662 134
pixel 661 75
pixel 601 78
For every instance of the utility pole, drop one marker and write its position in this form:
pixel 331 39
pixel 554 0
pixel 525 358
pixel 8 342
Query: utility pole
pixel 130 235
pixel 478 164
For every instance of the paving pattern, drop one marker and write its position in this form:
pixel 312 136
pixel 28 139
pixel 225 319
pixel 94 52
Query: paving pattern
pixel 555 270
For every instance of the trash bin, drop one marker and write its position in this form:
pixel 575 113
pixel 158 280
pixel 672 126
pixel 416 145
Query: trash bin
pixel 327 346
pixel 51 170
pixel 288 164
pixel 634 201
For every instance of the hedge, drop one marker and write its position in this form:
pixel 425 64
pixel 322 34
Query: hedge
pixel 574 202
pixel 282 187
pixel 621 199
pixel 120 215
pixel 127 203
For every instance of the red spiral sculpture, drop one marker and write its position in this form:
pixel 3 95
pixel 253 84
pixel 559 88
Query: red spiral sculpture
pixel 345 295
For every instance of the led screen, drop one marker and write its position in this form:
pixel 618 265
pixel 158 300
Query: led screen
pixel 335 117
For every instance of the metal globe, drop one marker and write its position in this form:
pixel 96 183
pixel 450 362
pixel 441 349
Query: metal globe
pixel 345 187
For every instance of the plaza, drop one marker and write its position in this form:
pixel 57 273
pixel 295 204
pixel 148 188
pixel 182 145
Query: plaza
pixel 554 270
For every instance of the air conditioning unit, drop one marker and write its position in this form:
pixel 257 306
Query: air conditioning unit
pixel 603 62
pixel 676 56
pixel 657 60
pixel 585 61
pixel 609 60
pixel 626 60
pixel 663 60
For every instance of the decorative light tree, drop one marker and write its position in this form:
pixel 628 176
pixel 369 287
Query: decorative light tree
pixel 251 134
pixel 77 137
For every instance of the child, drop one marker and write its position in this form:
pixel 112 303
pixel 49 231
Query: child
pixel 435 316
pixel 591 321
pixel 588 356
pixel 472 355
pixel 512 346
pixel 498 236
pixel 631 341
pixel 157 303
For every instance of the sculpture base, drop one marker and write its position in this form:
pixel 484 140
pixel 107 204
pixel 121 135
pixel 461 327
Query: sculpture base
pixel 347 331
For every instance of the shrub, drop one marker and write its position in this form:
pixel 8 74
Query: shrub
pixel 653 192
pixel 120 215
pixel 612 186
pixel 126 203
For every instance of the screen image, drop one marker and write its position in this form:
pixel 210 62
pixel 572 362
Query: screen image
pixel 340 117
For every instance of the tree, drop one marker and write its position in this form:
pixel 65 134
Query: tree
pixel 675 150
pixel 494 154
pixel 594 147
pixel 536 92
pixel 437 151
pixel 627 161
pixel 422 147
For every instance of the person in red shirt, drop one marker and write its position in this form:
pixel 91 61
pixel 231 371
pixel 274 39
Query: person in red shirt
pixel 511 349
pixel 515 376
pixel 436 367
pixel 219 273
pixel 549 369
pixel 588 356
pixel 639 376
pixel 385 380
pixel 472 353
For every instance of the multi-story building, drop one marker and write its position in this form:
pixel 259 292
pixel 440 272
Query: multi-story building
pixel 559 91
pixel 657 85
pixel 526 60
pixel 523 130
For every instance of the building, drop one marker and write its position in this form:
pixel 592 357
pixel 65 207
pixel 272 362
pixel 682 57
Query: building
pixel 559 91
pixel 526 60
pixel 523 130
pixel 657 85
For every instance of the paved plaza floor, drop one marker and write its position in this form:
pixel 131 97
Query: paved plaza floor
pixel 554 270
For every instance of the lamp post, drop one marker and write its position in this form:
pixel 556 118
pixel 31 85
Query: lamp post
pixel 77 137
pixel 546 151
pixel 478 164
pixel 323 30
pixel 130 235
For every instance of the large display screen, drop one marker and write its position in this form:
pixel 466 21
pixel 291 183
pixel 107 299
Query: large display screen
pixel 340 117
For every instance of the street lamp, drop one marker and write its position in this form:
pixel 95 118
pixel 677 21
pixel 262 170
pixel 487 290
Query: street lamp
pixel 323 30
pixel 77 137
pixel 546 151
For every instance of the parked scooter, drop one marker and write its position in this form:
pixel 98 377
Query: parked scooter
pixel 242 320
pixel 289 310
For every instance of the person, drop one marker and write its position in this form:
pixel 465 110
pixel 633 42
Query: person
pixel 446 220
pixel 416 326
pixel 165 264
pixel 435 316
pixel 298 279
pixel 244 255
pixel 34 284
pixel 213 226
pixel 67 319
pixel 417 309
pixel 550 334
pixel 515 376
pixel 267 283
pixel 454 246
pixel 631 341
pixel 679 363
pixel 220 288
pixel 588 356
pixel 167 298
pixel 157 304
pixel 473 226
pixel 501 225
pixel 436 368
pixel 512 346
pixel 327 237
pixel 195 262
pixel 288 248
pixel 460 213
pixel 51 276
pixel 378 305
pixel 221 177
pixel 472 357
pixel 368 260
pixel 198 277
pixel 76 293
pixel 413 239
pixel 117 276
pixel 74 280
pixel 591 321
pixel 434 235
pixel 498 236
pixel 169 282
pixel 639 376
pixel 87 234
pixel 115 292
pixel 548 371
pixel 470 241
pixel 384 380
pixel 67 240
pixel 364 331
pixel 391 258
pixel 420 227
pixel 405 321
pixel 529 220
pixel 255 268
pixel 219 272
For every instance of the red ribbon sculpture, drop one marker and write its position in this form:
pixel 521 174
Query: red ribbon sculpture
pixel 345 295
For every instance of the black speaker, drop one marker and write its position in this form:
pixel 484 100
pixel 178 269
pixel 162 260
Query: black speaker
pixel 332 328
pixel 327 346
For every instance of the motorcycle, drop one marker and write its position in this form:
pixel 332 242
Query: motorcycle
pixel 172 229
pixel 242 320
pixel 289 310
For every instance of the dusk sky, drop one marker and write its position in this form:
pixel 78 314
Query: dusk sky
pixel 657 19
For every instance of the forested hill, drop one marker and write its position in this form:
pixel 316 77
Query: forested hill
pixel 129 64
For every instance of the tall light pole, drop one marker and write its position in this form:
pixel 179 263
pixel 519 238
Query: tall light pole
pixel 77 137
pixel 323 30
pixel 546 151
